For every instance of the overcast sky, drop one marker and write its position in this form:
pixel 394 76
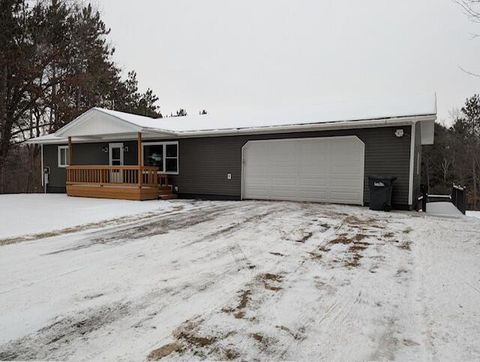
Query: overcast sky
pixel 223 54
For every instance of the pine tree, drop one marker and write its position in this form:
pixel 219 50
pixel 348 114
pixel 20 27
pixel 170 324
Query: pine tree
pixel 55 63
pixel 470 136
pixel 180 113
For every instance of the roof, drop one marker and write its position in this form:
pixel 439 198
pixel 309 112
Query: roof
pixel 99 121
pixel 324 113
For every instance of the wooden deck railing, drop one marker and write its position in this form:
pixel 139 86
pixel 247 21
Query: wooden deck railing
pixel 116 175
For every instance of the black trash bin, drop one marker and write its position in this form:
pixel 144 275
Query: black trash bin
pixel 381 192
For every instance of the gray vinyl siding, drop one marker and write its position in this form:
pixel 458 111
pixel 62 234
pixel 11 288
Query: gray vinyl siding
pixel 82 154
pixel 93 153
pixel 57 177
pixel 205 162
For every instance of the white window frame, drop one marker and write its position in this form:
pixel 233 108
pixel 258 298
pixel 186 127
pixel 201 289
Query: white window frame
pixel 60 149
pixel 164 144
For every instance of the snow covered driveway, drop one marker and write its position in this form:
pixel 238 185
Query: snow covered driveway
pixel 244 280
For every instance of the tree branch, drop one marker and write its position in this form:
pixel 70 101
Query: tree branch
pixel 468 72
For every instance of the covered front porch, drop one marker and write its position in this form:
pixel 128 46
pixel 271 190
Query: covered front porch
pixel 116 180
pixel 108 154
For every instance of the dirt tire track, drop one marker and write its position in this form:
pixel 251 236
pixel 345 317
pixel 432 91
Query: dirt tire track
pixel 48 342
pixel 154 225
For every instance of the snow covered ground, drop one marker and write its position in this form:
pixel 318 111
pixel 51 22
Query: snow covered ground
pixel 473 214
pixel 22 214
pixel 443 209
pixel 241 280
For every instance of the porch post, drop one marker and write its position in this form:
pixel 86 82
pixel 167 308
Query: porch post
pixel 70 161
pixel 139 159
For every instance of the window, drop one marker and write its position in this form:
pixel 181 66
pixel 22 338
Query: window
pixel 63 160
pixel 163 155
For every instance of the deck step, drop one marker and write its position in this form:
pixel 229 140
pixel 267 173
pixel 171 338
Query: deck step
pixel 167 196
pixel 164 192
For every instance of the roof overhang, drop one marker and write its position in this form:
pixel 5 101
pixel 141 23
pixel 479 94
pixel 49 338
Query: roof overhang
pixel 89 128
pixel 334 125
pixel 96 123
pixel 53 139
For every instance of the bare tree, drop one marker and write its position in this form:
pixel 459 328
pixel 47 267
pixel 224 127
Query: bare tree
pixel 471 8
pixel 446 163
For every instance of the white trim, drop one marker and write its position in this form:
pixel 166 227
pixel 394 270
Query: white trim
pixel 67 161
pixel 242 174
pixel 75 121
pixel 242 178
pixel 165 144
pixel 41 164
pixel 116 145
pixel 363 171
pixel 138 127
pixel 412 165
pixel 84 117
pixel 334 125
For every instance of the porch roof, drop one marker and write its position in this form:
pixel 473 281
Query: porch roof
pixel 99 124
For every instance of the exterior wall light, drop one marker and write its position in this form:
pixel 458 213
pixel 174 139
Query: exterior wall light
pixel 399 133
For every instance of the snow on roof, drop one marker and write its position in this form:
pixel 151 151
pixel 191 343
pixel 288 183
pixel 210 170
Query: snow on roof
pixel 142 121
pixel 374 110
pixel 47 137
pixel 322 113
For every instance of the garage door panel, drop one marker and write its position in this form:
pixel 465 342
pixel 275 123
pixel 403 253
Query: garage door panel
pixel 314 183
pixel 278 182
pixel 318 169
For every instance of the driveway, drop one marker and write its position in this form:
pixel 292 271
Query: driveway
pixel 244 280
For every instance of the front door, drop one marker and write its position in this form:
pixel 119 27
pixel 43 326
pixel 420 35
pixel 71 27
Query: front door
pixel 116 159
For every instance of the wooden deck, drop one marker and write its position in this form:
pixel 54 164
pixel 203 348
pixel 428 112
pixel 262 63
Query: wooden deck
pixel 117 182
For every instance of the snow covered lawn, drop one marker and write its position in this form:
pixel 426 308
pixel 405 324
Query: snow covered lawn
pixel 240 280
pixel 473 214
pixel 22 214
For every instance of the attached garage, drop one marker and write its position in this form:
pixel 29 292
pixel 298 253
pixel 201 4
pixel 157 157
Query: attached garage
pixel 319 154
pixel 324 169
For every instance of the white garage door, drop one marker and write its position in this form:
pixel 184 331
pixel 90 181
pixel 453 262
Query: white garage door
pixel 309 169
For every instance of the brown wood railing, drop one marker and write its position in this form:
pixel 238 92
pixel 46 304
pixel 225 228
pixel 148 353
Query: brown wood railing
pixel 115 175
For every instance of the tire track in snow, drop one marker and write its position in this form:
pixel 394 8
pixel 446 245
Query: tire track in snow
pixel 49 343
pixel 255 282
pixel 211 272
pixel 154 225
pixel 89 226
pixel 52 341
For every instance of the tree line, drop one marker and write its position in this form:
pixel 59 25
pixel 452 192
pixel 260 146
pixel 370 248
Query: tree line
pixel 56 63
pixel 454 158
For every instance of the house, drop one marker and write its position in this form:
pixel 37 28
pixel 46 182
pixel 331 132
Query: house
pixel 324 154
